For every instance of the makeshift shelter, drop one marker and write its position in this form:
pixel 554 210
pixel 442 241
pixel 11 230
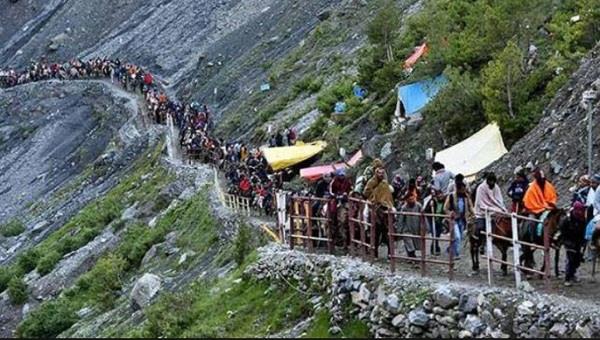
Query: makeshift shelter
pixel 340 107
pixel 359 92
pixel 265 87
pixel 413 58
pixel 412 98
pixel 316 172
pixel 475 153
pixel 286 156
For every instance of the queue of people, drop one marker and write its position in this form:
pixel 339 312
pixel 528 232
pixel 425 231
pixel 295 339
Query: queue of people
pixel 248 173
pixel 455 207
pixel 246 169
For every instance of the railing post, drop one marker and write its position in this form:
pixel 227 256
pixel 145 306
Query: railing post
pixel 351 226
pixel 293 222
pixel 423 246
pixel 309 214
pixel 329 224
pixel 488 241
pixel 433 231
pixel 373 239
pixel 363 232
pixel 516 248
pixel 451 253
pixel 391 241
pixel 547 257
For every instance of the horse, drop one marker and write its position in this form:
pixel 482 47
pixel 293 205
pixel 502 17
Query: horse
pixel 551 224
pixel 502 226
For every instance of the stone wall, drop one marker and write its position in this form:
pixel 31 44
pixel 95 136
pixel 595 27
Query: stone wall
pixel 406 306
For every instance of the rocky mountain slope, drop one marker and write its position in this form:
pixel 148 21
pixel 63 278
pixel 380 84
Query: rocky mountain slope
pixel 62 147
pixel 119 240
pixel 559 143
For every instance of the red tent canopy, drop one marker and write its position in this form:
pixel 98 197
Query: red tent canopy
pixel 316 172
pixel 419 52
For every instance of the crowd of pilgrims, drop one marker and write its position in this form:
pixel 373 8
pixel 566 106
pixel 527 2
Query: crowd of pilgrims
pixel 249 175
pixel 245 168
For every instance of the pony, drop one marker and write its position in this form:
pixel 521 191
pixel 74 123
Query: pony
pixel 502 226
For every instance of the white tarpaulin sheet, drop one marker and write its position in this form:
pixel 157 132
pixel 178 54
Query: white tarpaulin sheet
pixel 474 153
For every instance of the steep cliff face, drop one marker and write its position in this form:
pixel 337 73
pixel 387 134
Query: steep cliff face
pixel 559 143
pixel 63 146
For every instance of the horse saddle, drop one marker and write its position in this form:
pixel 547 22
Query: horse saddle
pixel 540 226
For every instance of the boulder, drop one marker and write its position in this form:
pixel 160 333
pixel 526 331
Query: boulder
pixel 464 335
pixel 418 317
pixel 386 150
pixel 393 303
pixel 398 320
pixel 57 41
pixel 467 303
pixel 559 330
pixel 583 331
pixel 445 297
pixel 473 324
pixel 364 292
pixel 150 254
pixel 324 15
pixel 526 308
pixel 130 212
pixel 144 290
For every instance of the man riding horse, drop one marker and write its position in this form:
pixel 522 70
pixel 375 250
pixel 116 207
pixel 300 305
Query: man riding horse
pixel 539 200
pixel 488 197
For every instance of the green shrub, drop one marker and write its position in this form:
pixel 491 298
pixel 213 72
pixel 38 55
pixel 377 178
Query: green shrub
pixel 104 280
pixel 308 84
pixel 383 116
pixel 27 261
pixel 47 263
pixel 12 228
pixel 337 92
pixel 17 291
pixel 171 314
pixel 242 244
pixel 48 321
pixel 137 241
pixel 6 274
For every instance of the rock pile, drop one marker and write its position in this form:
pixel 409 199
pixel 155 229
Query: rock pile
pixel 401 306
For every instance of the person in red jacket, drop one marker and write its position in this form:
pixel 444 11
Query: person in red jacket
pixel 245 186
pixel 148 79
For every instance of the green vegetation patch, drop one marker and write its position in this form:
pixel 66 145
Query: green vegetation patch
pixel 351 329
pixel 228 308
pixel 505 59
pixel 100 286
pixel 92 219
pixel 13 228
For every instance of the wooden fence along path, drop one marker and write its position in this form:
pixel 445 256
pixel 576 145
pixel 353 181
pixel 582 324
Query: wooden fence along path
pixel 305 222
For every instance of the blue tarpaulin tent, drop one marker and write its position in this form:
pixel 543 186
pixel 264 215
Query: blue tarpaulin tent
pixel 340 107
pixel 359 92
pixel 416 95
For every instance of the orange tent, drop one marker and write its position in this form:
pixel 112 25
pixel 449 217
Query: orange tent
pixel 419 52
